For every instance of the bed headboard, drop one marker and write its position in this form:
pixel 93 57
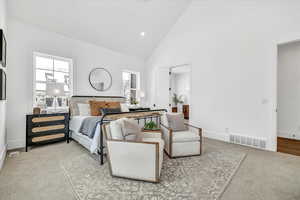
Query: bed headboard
pixel 74 100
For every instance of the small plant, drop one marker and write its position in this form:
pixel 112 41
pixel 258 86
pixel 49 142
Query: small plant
pixel 134 101
pixel 150 126
pixel 176 99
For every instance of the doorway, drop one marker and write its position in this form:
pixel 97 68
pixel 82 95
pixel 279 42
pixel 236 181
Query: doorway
pixel 170 81
pixel 180 89
pixel 288 98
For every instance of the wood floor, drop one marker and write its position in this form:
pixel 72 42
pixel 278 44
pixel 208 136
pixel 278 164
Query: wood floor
pixel 289 146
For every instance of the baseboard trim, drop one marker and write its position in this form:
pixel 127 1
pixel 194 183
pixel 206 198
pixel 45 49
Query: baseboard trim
pixel 15 144
pixel 3 156
pixel 216 135
pixel 225 138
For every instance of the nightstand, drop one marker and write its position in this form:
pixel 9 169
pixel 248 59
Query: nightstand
pixel 46 128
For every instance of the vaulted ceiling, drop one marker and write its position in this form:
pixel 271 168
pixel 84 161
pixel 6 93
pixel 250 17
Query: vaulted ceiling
pixel 115 24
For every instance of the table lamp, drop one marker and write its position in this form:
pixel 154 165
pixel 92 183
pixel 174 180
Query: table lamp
pixel 55 90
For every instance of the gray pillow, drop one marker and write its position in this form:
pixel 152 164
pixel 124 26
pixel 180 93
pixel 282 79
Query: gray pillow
pixel 131 131
pixel 176 121
pixel 110 110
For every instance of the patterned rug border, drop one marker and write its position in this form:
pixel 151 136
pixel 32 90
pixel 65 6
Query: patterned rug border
pixel 232 175
pixel 77 196
pixel 70 181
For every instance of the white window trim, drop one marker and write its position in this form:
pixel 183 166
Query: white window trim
pixel 138 84
pixel 35 54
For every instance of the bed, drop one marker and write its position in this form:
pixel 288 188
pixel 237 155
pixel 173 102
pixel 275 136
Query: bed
pixel 96 144
pixel 92 144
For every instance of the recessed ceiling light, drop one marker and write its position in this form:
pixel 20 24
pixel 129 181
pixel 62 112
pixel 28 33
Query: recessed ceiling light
pixel 142 34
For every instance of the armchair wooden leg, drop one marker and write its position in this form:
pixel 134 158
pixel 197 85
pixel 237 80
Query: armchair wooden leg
pixel 170 143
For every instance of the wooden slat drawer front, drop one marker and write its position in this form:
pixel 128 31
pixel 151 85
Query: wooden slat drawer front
pixel 47 137
pixel 47 128
pixel 47 119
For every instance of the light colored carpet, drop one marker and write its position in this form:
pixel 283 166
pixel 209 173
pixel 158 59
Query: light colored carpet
pixel 37 174
pixel 201 177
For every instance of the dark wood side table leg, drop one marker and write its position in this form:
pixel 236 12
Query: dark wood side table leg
pixel 26 142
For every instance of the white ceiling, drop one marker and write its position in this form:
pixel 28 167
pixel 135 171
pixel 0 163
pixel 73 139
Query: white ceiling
pixel 114 24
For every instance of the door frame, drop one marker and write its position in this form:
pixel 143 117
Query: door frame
pixel 274 115
pixel 170 82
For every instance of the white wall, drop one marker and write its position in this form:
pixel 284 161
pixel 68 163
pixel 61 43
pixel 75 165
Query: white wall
pixel 289 90
pixel 2 103
pixel 232 48
pixel 24 39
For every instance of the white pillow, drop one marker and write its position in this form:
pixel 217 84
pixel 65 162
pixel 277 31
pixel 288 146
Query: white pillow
pixel 84 109
pixel 176 121
pixel 124 107
pixel 164 120
pixel 131 130
pixel 116 127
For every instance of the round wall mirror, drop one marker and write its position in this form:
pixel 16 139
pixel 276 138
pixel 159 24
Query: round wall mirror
pixel 100 79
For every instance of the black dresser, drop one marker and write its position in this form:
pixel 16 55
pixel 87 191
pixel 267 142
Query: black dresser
pixel 46 128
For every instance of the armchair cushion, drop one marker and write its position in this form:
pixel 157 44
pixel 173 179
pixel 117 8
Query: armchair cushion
pixel 116 130
pixel 176 121
pixel 185 136
pixel 125 129
pixel 131 131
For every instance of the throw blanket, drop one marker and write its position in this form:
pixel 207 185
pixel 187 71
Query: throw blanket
pixel 88 126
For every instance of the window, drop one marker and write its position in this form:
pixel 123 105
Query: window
pixel 131 86
pixel 48 70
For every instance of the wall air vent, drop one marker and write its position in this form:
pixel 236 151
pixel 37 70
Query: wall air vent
pixel 248 141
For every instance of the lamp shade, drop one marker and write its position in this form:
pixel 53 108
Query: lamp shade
pixel 142 94
pixel 55 89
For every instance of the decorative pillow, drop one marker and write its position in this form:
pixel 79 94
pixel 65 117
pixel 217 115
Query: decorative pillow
pixel 164 120
pixel 116 130
pixel 84 109
pixel 176 121
pixel 124 107
pixel 95 107
pixel 110 110
pixel 131 131
pixel 112 104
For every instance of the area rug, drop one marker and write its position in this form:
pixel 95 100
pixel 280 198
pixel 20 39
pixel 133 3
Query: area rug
pixel 201 177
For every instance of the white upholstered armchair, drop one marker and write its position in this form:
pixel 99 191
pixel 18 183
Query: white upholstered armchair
pixel 181 143
pixel 139 160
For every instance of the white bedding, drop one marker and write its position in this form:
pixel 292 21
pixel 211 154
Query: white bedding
pixel 91 144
